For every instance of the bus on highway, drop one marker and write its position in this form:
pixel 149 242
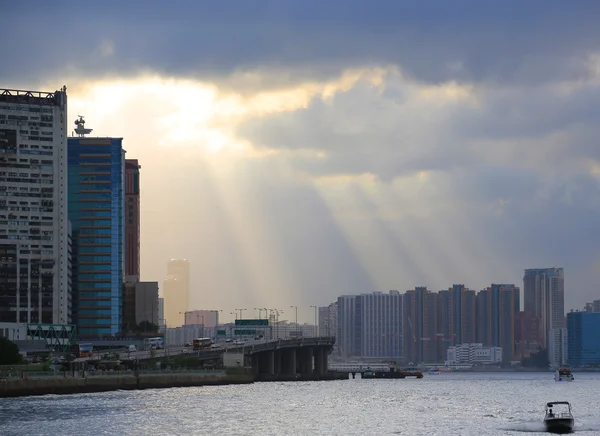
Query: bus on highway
pixel 154 343
pixel 202 343
pixel 82 350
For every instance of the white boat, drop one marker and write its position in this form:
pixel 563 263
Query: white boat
pixel 563 374
pixel 558 418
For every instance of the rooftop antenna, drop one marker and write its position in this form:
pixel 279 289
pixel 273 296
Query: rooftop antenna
pixel 80 129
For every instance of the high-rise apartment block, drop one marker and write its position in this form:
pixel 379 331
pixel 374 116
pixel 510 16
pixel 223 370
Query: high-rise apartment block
pixel 370 325
pixel 497 310
pixel 96 211
pixel 34 224
pixel 558 348
pixel 328 320
pixel 176 292
pixel 544 295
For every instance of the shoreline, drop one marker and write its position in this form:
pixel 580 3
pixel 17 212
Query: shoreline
pixel 67 385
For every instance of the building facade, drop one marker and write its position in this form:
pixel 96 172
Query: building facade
pixel 34 261
pixel 473 353
pixel 132 218
pixel 328 320
pixel 176 292
pixel 544 296
pixel 370 325
pixel 146 302
pixel 96 203
pixel 558 347
pixel 583 339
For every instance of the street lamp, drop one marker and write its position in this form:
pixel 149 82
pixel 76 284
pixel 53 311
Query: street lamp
pixel 185 315
pixel 316 325
pixel 259 311
pixel 296 307
pixel 241 312
pixel 234 313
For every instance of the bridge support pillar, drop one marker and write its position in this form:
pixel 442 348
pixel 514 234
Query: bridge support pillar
pixel 270 356
pixel 306 360
pixel 321 361
pixel 277 361
pixel 289 361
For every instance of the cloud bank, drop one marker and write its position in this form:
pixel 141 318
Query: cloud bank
pixel 297 151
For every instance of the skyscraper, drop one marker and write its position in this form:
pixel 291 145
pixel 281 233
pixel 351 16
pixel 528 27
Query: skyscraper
pixel 544 292
pixel 176 291
pixel 96 201
pixel 34 226
pixel 132 219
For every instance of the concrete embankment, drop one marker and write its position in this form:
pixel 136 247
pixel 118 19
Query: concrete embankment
pixel 302 377
pixel 99 383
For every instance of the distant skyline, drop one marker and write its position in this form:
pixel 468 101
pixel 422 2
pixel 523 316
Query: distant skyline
pixel 297 151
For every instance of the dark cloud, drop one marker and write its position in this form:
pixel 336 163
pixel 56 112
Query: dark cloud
pixel 509 41
pixel 395 129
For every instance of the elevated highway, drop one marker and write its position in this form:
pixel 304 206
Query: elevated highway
pixel 268 359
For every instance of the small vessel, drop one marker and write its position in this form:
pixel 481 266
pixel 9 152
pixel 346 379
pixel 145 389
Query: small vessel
pixel 558 417
pixel 412 372
pixel 393 373
pixel 433 371
pixel 563 374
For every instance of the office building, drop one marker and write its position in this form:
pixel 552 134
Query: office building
pixel 176 292
pixel 132 218
pixel 96 201
pixel 34 228
pixel 146 302
pixel 583 339
pixel 208 318
pixel 544 296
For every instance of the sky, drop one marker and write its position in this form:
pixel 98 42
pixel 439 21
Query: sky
pixel 295 151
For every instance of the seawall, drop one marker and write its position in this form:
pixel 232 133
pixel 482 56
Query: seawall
pixel 126 381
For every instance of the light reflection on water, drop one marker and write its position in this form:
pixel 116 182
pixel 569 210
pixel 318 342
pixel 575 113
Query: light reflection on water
pixel 446 404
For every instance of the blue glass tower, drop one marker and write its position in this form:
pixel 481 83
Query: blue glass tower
pixel 583 339
pixel 96 203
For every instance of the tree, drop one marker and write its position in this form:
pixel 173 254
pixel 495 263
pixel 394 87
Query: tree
pixel 146 326
pixel 9 352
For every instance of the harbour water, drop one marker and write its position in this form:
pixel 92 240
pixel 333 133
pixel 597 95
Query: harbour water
pixel 446 404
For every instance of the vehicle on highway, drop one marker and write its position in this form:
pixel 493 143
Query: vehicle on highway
pixel 82 350
pixel 202 343
pixel 154 343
